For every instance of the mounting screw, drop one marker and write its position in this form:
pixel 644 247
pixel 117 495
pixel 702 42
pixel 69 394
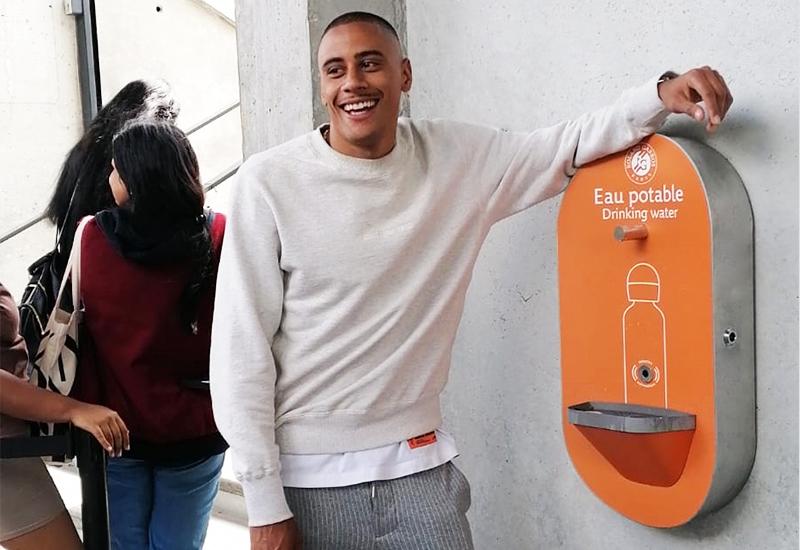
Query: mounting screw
pixel 729 337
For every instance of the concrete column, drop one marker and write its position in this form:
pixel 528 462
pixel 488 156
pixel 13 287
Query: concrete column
pixel 274 73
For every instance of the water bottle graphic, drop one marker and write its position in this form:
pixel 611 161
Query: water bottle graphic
pixel 644 339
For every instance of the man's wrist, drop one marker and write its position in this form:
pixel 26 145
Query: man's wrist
pixel 266 530
pixel 276 536
pixel 669 75
pixel 265 499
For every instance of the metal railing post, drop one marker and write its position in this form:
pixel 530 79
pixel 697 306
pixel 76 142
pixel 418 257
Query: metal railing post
pixel 88 61
pixel 94 506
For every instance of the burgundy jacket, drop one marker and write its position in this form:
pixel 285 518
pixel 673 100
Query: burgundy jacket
pixel 137 356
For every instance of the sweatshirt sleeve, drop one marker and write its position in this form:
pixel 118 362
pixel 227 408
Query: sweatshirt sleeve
pixel 247 314
pixel 528 168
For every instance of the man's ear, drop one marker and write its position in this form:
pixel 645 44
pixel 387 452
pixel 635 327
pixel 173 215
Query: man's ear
pixel 407 78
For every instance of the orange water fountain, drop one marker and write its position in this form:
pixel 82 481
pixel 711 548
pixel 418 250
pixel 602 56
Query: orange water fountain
pixel 655 252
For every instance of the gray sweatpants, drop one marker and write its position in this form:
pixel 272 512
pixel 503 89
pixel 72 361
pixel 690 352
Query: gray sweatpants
pixel 425 511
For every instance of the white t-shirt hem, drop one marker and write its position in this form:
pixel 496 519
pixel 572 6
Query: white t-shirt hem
pixel 343 469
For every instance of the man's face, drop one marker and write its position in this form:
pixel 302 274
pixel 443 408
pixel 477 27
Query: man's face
pixel 362 77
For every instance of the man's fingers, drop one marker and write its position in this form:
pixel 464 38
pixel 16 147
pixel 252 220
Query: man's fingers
pixel 720 90
pixel 690 108
pixel 699 81
pixel 728 97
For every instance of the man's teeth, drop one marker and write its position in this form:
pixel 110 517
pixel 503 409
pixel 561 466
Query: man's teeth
pixel 360 106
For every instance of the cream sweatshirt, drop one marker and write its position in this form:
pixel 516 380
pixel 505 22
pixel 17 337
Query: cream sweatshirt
pixel 342 280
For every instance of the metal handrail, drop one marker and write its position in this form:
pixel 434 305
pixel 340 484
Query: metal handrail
pixel 17 230
pixel 212 184
pixel 228 172
pixel 211 119
pixel 219 178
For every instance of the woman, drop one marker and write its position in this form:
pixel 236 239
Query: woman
pixel 82 189
pixel 82 186
pixel 148 268
pixel 32 514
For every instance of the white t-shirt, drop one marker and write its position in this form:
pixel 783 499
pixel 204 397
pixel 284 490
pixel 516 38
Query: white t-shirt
pixel 387 462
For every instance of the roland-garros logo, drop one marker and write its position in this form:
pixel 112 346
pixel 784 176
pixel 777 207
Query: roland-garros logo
pixel 641 163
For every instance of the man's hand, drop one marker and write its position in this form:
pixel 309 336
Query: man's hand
pixel 277 536
pixel 682 93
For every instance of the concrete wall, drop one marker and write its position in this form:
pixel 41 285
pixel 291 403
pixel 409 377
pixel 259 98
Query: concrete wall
pixel 39 104
pixel 274 72
pixel 187 42
pixel 521 65
pixel 191 46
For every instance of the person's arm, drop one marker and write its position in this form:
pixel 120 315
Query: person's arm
pixel 527 168
pixel 22 400
pixel 247 314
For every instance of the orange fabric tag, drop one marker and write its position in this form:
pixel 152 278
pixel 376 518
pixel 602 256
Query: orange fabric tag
pixel 422 440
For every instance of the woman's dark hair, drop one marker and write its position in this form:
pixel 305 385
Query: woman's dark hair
pixel 159 168
pixel 82 186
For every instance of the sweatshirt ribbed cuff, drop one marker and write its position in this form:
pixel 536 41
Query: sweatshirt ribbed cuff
pixel 266 503
pixel 645 108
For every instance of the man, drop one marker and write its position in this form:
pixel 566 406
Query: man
pixel 342 282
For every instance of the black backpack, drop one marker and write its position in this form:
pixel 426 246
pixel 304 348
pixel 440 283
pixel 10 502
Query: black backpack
pixel 38 300
pixel 39 297
pixel 36 305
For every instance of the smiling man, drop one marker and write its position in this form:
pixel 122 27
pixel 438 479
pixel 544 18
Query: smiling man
pixel 342 281
pixel 363 113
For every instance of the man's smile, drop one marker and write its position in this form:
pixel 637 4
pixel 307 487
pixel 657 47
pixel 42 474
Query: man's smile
pixel 359 108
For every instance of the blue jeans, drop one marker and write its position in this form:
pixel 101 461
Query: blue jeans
pixel 160 507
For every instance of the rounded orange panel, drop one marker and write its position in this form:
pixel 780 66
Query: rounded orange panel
pixel 635 276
